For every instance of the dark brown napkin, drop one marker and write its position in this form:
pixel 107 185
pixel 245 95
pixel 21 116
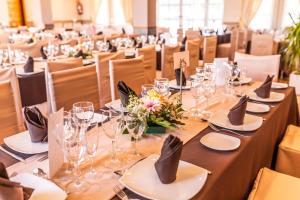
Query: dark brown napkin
pixel 140 45
pixel 59 36
pixel 134 41
pixel 167 164
pixel 265 89
pixel 124 92
pixel 37 124
pixel 236 114
pixel 110 46
pixel 123 31
pixel 183 42
pixel 114 49
pixel 44 56
pixel 30 41
pixel 29 65
pixel 177 74
pixel 100 33
pixel 11 190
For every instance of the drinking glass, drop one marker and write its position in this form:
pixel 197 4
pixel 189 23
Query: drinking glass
pixel 162 86
pixel 196 91
pixel 65 49
pixel 146 88
pixel 83 113
pixel 209 89
pixel 136 127
pixel 209 69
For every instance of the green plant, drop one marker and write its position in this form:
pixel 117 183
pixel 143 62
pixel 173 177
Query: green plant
pixel 292 51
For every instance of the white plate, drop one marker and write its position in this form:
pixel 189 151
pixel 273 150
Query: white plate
pixel 251 122
pixel 173 84
pixel 246 80
pixel 274 97
pixel 276 85
pixel 143 180
pixel 257 108
pixel 21 142
pixel 43 189
pixel 116 105
pixel 98 118
pixel 220 142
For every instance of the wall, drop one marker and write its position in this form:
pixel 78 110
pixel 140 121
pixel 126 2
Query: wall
pixel 232 10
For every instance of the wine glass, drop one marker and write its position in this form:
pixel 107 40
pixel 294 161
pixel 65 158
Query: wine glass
pixel 146 88
pixel 136 127
pixel 83 113
pixel 196 91
pixel 65 49
pixel 209 89
pixel 162 86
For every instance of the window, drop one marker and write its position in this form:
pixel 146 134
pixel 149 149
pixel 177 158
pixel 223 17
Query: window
pixel 291 9
pixel 189 13
pixel 264 16
pixel 110 13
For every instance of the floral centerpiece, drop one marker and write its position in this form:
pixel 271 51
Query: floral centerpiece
pixel 160 113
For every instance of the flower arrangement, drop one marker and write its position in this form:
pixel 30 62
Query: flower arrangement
pixel 157 110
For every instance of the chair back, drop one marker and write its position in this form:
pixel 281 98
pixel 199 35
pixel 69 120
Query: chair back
pixel 102 66
pixel 261 44
pixel 131 71
pixel 149 54
pixel 193 46
pixel 64 64
pixel 209 49
pixel 32 49
pixel 258 67
pixel 67 87
pixel 10 104
pixel 167 68
pixel 192 34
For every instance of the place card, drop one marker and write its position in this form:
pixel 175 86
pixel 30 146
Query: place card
pixel 181 59
pixel 55 152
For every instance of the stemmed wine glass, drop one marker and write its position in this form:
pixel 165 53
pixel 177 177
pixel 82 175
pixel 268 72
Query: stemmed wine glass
pixel 196 91
pixel 83 113
pixel 136 127
pixel 162 86
pixel 209 89
pixel 3 57
pixel 146 88
pixel 102 46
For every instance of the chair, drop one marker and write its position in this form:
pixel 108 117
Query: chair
pixel 227 50
pixel 271 185
pixel 10 104
pixel 167 68
pixel 209 49
pixel 191 34
pixel 102 66
pixel 64 64
pixel 131 71
pixel 288 157
pixel 67 87
pixel 261 44
pixel 149 54
pixel 258 67
pixel 193 46
pixel 32 49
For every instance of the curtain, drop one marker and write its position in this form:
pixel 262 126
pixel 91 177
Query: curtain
pixel 248 11
pixel 127 10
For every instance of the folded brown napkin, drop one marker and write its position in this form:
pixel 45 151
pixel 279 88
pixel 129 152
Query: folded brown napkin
pixel 236 114
pixel 37 124
pixel 29 65
pixel 59 36
pixel 100 33
pixel 167 164
pixel 140 45
pixel 30 41
pixel 110 46
pixel 11 190
pixel 124 92
pixel 183 42
pixel 114 49
pixel 123 31
pixel 177 74
pixel 44 56
pixel 264 90
pixel 134 41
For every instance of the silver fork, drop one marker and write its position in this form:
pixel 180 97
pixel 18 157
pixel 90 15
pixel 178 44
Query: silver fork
pixel 120 193
pixel 224 129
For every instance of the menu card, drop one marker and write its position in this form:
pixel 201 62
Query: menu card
pixel 181 58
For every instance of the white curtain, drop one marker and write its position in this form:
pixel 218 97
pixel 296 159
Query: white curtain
pixel 248 11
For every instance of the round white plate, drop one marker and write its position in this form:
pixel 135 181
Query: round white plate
pixel 21 142
pixel 143 180
pixel 116 105
pixel 251 122
pixel 173 84
pixel 98 118
pixel 246 80
pixel 276 85
pixel 274 97
pixel 257 108
pixel 220 142
pixel 43 188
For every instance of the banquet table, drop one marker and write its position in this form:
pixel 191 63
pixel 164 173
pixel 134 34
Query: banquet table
pixel 233 172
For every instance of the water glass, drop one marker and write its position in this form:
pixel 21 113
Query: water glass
pixel 83 113
pixel 196 91
pixel 209 89
pixel 162 86
pixel 146 88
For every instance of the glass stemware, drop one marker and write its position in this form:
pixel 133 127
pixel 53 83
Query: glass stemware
pixel 146 88
pixel 196 91
pixel 209 89
pixel 83 113
pixel 162 86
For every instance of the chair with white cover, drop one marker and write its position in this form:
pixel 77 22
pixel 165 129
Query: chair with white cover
pixel 102 66
pixel 209 49
pixel 131 71
pixel 149 54
pixel 167 68
pixel 67 87
pixel 258 67
pixel 193 46
pixel 11 118
pixel 64 64
pixel 261 44
pixel 272 185
pixel 32 49
pixel 227 50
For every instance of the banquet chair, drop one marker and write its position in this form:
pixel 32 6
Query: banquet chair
pixel 167 68
pixel 131 71
pixel 10 104
pixel 258 67
pixel 149 54
pixel 192 34
pixel 32 49
pixel 209 49
pixel 261 44
pixel 102 67
pixel 67 87
pixel 193 46
pixel 272 185
pixel 227 50
pixel 288 157
pixel 64 64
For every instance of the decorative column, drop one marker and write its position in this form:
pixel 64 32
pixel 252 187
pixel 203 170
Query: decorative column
pixel 15 12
